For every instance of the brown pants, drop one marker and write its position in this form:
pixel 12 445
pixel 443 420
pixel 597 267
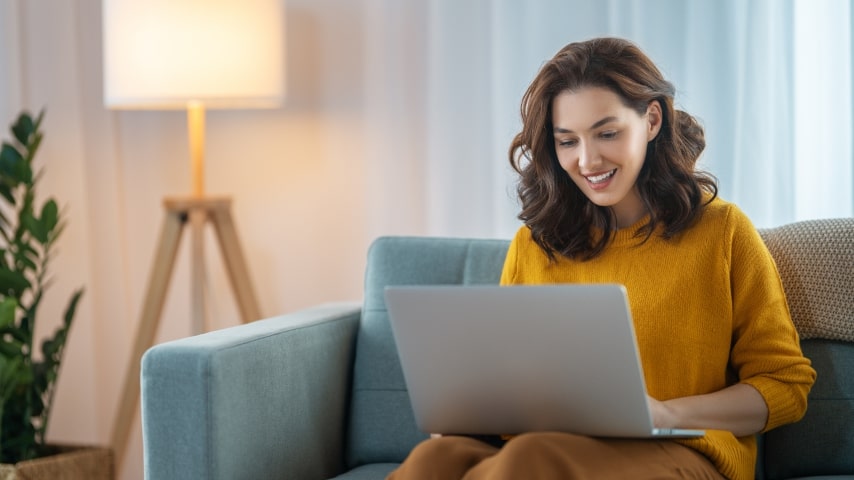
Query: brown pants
pixel 553 456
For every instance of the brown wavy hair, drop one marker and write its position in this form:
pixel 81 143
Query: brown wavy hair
pixel 558 213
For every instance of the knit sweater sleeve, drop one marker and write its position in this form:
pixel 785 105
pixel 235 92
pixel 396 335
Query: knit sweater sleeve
pixel 766 351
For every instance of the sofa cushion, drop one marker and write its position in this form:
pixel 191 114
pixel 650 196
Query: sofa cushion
pixel 373 471
pixel 823 442
pixel 382 426
pixel 815 259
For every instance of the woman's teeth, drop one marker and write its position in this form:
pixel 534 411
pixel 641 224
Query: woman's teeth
pixel 601 178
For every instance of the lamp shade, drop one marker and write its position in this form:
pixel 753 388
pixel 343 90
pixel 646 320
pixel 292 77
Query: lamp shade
pixel 165 54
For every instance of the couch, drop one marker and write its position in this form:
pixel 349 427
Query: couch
pixel 319 393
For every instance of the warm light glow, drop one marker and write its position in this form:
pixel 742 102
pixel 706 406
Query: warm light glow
pixel 196 129
pixel 165 53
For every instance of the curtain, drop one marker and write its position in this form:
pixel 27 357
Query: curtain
pixel 769 80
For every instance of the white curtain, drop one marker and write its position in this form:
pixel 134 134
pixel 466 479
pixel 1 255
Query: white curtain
pixel 770 81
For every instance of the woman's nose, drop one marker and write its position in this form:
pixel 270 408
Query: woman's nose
pixel 588 157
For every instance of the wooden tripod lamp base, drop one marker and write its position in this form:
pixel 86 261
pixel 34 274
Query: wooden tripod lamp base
pixel 180 211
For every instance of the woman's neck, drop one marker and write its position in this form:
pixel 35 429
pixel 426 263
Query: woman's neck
pixel 629 210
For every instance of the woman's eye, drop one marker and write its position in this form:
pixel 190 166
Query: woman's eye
pixel 609 135
pixel 566 143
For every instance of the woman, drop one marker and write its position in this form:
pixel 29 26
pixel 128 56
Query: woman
pixel 610 193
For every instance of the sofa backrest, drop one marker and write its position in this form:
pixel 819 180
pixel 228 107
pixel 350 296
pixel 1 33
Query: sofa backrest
pixel 816 263
pixel 381 425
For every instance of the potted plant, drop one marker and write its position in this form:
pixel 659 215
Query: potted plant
pixel 28 370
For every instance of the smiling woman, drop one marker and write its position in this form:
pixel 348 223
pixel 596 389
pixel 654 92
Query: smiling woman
pixel 610 194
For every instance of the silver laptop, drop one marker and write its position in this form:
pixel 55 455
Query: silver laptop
pixel 513 359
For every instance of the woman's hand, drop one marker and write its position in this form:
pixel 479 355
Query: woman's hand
pixel 662 416
pixel 739 408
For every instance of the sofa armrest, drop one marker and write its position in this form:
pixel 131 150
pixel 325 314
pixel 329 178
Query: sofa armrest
pixel 262 400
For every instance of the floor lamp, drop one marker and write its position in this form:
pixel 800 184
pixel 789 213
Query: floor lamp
pixel 192 55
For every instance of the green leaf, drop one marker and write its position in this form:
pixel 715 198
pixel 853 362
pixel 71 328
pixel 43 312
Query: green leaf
pixel 72 307
pixel 37 123
pixel 34 226
pixel 23 172
pixel 24 128
pixel 26 326
pixel 39 119
pixel 10 155
pixel 10 158
pixel 13 374
pixel 19 337
pixel 8 307
pixel 50 348
pixel 37 403
pixel 12 283
pixel 40 370
pixel 10 349
pixel 27 198
pixel 33 148
pixel 14 166
pixel 50 215
pixel 6 192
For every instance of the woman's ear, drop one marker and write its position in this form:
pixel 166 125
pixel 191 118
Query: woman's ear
pixel 654 119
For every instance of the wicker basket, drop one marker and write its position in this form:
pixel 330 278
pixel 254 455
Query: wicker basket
pixel 70 463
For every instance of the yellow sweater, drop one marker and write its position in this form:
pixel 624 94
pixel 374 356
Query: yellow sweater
pixel 709 311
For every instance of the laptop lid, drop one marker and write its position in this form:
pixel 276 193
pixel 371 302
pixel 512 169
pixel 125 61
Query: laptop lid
pixel 513 359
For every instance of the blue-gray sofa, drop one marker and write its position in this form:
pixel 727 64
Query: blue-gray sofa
pixel 319 393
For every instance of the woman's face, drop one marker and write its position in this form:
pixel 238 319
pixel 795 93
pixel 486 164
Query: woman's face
pixel 601 144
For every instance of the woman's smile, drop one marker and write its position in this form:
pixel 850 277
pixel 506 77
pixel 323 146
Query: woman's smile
pixel 600 181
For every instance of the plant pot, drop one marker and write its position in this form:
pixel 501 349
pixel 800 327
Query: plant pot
pixel 68 463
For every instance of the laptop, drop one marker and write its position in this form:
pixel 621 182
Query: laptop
pixel 511 359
